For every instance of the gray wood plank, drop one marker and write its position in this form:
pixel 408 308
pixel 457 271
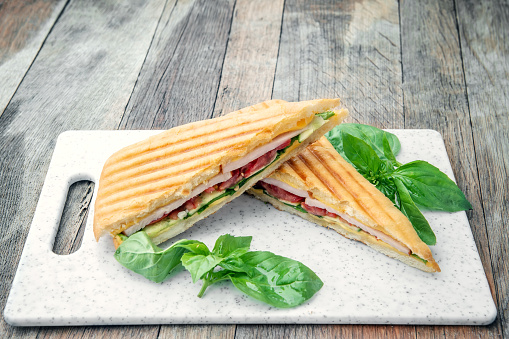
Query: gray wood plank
pixel 81 79
pixel 179 81
pixel 345 49
pixel 247 77
pixel 484 28
pixel 25 25
pixel 324 331
pixel 435 97
pixel 198 332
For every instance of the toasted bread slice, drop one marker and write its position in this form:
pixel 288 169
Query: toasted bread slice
pixel 165 168
pixel 327 178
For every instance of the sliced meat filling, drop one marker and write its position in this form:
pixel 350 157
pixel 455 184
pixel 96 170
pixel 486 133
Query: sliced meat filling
pixel 236 176
pixel 315 207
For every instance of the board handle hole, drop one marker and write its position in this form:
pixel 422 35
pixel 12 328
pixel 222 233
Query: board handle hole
pixel 74 218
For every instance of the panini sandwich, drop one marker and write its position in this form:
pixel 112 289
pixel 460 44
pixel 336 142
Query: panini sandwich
pixel 168 182
pixel 320 186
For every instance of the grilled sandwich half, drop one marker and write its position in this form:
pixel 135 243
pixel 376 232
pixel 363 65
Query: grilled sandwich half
pixel 320 186
pixel 166 183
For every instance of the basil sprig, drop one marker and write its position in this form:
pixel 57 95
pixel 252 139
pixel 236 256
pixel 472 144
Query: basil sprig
pixel 411 186
pixel 273 279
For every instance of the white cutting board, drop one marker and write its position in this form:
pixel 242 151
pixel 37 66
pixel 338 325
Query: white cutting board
pixel 361 285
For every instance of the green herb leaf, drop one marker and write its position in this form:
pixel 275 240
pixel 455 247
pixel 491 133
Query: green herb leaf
pixel 326 115
pixel 430 188
pixel 230 246
pixel 388 153
pixel 276 280
pixel 279 281
pixel 139 254
pixel 198 265
pixel 415 216
pixel 371 135
pixel 362 156
pixel 226 247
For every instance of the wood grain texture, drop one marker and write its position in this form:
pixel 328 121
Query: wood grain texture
pixel 247 76
pixel 435 97
pixel 24 27
pixel 179 80
pixel 346 49
pixel 197 332
pixel 81 79
pixel 484 28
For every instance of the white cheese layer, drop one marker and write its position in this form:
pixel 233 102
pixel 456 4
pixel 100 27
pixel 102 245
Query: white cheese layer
pixel 168 208
pixel 258 152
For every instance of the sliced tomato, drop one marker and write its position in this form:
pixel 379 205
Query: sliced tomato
pixel 192 203
pixel 230 182
pixel 314 210
pixel 280 193
pixel 257 164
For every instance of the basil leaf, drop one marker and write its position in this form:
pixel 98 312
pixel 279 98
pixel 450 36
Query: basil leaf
pixel 362 156
pixel 325 115
pixel 297 207
pixel 198 265
pixel 415 216
pixel 388 153
pixel 139 254
pixel 228 246
pixel 276 280
pixel 430 188
pixel 371 135
pixel 197 247
pixel 387 187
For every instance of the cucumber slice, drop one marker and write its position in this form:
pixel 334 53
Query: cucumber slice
pixel 315 124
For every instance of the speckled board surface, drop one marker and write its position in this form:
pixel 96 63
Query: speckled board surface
pixel 361 285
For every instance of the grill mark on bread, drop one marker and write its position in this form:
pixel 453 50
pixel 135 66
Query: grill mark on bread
pixel 111 196
pixel 167 142
pixel 118 205
pixel 344 183
pixel 150 176
pixel 187 157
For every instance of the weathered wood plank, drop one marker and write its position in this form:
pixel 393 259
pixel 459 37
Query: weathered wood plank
pixel 345 49
pixel 198 332
pixel 250 63
pixel 484 28
pixel 435 97
pixel 178 83
pixel 81 79
pixel 103 332
pixel 25 25
pixel 324 331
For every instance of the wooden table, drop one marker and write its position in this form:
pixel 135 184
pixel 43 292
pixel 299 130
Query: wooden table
pixel 133 64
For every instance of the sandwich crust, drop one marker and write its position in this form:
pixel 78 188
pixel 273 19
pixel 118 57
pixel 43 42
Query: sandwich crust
pixel 328 178
pixel 155 172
